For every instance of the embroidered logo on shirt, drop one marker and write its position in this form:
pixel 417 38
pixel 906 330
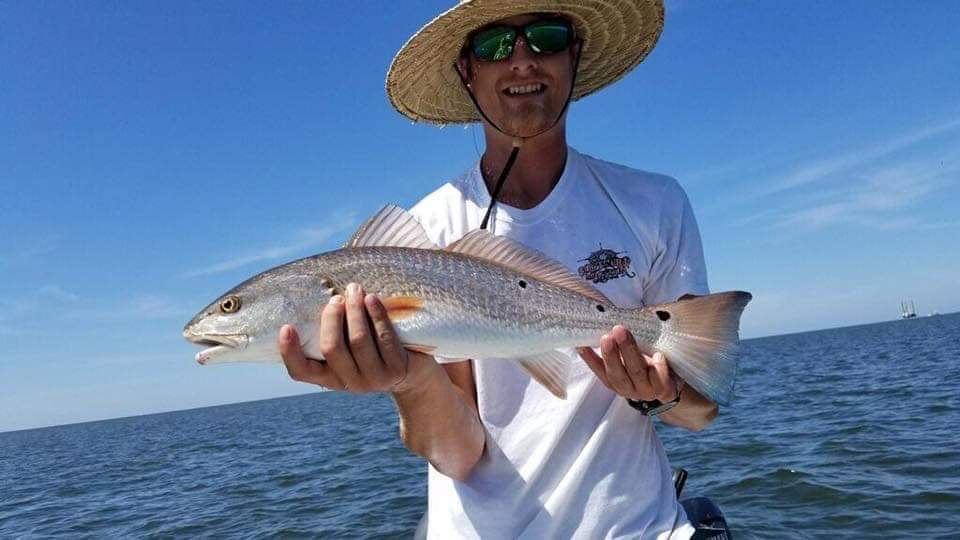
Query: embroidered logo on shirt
pixel 604 265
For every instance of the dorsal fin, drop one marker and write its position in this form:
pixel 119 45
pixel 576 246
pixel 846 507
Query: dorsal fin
pixel 519 258
pixel 392 226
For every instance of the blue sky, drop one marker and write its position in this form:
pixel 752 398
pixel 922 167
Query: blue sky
pixel 154 154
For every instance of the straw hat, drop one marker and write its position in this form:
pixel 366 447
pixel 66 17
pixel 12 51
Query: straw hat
pixel 616 34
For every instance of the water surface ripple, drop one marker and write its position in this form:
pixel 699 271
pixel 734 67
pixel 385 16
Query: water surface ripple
pixel 839 433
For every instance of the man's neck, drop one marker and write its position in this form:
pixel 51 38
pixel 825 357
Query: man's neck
pixel 536 171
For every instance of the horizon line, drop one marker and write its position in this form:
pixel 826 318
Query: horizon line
pixel 321 390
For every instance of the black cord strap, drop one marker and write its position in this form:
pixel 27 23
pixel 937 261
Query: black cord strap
pixel 499 186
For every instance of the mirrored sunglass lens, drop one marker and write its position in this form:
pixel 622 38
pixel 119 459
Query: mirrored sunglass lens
pixel 548 37
pixel 494 44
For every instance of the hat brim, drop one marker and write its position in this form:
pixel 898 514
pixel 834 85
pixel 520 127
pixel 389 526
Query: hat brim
pixel 422 84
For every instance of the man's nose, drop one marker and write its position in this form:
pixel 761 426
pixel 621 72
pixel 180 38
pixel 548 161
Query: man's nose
pixel 523 58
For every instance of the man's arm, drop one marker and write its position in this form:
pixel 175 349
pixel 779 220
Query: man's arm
pixel 362 353
pixel 621 367
pixel 439 419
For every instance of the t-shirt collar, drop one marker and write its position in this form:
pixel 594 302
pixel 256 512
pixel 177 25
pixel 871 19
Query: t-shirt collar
pixel 505 212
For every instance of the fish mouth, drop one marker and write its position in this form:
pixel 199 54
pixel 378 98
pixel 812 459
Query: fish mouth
pixel 217 345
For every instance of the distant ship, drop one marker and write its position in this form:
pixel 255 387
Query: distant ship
pixel 907 311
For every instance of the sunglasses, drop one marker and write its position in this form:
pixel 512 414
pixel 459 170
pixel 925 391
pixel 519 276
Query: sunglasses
pixel 546 36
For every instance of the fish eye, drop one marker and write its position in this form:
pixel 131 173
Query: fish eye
pixel 230 304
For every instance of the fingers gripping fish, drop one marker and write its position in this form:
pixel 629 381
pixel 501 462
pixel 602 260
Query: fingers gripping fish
pixel 483 296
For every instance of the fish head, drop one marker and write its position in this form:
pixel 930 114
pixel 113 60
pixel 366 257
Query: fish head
pixel 242 325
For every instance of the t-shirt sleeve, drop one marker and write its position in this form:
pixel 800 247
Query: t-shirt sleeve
pixel 678 267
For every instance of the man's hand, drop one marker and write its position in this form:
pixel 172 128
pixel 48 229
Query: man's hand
pixel 361 350
pixel 362 353
pixel 627 371
pixel 634 375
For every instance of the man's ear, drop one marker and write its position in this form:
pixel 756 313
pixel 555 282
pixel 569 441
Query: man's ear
pixel 463 66
pixel 575 48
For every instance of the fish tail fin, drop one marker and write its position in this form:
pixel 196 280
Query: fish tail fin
pixel 699 337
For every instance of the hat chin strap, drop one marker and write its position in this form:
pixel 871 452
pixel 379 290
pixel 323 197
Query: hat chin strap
pixel 517 139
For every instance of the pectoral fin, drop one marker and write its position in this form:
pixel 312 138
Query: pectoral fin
pixel 549 369
pixel 402 307
pixel 425 349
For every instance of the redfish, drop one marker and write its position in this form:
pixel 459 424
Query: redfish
pixel 483 297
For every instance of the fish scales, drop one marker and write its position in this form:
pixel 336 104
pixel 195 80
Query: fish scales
pixel 468 302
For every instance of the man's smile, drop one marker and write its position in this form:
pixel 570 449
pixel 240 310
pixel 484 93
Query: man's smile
pixel 525 89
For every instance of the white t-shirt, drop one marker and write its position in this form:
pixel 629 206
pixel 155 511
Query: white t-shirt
pixel 589 466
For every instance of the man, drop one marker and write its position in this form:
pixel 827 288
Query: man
pixel 507 458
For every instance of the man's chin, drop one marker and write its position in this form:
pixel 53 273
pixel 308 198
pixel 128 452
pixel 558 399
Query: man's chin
pixel 526 124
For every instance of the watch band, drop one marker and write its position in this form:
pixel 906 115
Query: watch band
pixel 655 407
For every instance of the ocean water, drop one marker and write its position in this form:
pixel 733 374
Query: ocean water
pixel 848 433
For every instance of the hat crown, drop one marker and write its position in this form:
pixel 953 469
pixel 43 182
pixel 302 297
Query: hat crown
pixel 615 35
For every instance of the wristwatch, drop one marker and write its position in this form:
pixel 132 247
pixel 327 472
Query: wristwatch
pixel 655 407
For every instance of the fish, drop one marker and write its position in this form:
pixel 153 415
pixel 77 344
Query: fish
pixel 483 297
